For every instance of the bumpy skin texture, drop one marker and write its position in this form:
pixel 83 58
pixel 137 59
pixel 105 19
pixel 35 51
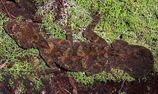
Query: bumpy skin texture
pixel 90 57
pixel 75 57
pixel 26 34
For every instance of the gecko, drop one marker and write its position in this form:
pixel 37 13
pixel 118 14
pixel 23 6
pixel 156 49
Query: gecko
pixel 90 57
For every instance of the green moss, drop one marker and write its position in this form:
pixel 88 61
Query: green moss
pixel 123 92
pixel 19 18
pixel 21 69
pixel 82 78
pixel 37 82
pixel 52 27
pixel 39 2
pixel 79 17
pixel 114 74
pixel 21 88
pixel 121 75
pixel 1 77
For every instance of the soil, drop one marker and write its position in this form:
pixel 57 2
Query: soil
pixel 67 85
pixel 61 84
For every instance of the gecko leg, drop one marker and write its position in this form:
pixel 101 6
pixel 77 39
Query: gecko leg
pixel 88 32
pixel 68 30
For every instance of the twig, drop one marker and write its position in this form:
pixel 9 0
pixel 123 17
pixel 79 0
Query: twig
pixel 3 65
pixel 72 82
pixel 10 15
pixel 122 85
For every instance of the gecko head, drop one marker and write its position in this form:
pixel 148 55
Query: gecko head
pixel 25 33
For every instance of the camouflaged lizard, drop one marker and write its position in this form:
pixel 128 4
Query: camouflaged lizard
pixel 91 57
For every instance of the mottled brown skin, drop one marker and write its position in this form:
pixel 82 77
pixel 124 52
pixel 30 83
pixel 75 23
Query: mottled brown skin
pixel 77 57
pixel 90 57
pixel 136 60
pixel 26 34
